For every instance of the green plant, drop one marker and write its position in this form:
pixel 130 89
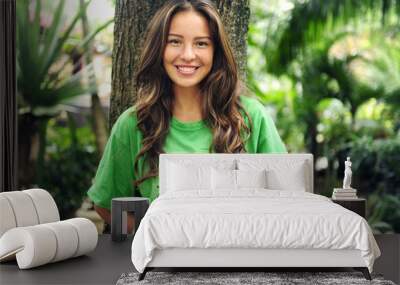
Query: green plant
pixel 331 71
pixel 44 79
pixel 68 174
pixel 376 164
pixel 309 21
pixel 384 70
pixel 385 213
pixel 41 85
pixel 70 165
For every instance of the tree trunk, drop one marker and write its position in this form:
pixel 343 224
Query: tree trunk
pixel 32 136
pixel 28 149
pixel 131 19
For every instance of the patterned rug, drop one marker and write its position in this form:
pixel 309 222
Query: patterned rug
pixel 243 278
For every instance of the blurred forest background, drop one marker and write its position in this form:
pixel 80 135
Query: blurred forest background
pixel 327 71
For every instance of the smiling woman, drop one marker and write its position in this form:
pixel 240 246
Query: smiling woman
pixel 189 100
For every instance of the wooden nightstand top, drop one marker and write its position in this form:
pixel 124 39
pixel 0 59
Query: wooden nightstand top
pixel 347 200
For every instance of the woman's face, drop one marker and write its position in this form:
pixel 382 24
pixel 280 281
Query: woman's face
pixel 188 55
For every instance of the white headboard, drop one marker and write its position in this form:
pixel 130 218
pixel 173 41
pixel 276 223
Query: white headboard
pixel 282 162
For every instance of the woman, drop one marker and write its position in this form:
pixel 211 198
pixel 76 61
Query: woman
pixel 188 102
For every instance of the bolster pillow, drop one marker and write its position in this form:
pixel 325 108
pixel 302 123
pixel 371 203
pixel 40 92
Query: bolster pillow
pixel 40 244
pixel 26 208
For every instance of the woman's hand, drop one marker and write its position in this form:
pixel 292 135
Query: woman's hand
pixel 106 216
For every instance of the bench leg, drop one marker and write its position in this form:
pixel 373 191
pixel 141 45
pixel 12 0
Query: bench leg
pixel 143 274
pixel 364 271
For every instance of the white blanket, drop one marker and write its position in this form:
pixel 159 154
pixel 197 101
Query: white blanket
pixel 252 218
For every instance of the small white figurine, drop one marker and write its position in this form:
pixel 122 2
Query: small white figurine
pixel 347 174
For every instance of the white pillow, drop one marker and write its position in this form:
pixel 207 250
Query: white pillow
pixel 235 179
pixel 281 174
pixel 251 178
pixel 223 179
pixel 183 178
pixel 293 181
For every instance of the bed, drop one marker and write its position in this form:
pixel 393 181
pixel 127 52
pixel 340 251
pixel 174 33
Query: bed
pixel 247 210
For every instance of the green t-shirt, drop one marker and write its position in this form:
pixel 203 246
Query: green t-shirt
pixel 115 174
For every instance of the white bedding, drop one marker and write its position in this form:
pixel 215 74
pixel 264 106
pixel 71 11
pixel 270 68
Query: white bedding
pixel 251 218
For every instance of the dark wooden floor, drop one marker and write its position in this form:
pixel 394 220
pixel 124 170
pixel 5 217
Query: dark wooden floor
pixel 110 260
pixel 389 262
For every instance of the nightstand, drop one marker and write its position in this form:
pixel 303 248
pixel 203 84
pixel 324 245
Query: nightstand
pixel 119 209
pixel 358 205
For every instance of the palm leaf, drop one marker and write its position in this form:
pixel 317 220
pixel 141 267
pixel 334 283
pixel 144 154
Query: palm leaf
pixel 91 36
pixel 82 45
pixel 384 70
pixel 38 51
pixel 311 20
pixel 50 37
pixel 55 52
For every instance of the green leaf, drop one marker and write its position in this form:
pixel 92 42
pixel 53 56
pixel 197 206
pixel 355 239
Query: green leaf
pixel 51 35
pixel 91 36
pixel 310 21
pixel 55 52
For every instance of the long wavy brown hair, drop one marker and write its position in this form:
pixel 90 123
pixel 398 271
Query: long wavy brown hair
pixel 220 89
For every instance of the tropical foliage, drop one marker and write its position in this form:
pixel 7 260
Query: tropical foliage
pixel 70 165
pixel 45 77
pixel 331 69
pixel 48 75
